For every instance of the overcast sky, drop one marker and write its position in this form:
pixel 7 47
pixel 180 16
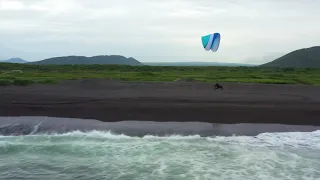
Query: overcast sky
pixel 157 30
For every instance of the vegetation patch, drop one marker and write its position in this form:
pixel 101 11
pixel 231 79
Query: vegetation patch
pixel 49 74
pixel 5 82
pixel 22 82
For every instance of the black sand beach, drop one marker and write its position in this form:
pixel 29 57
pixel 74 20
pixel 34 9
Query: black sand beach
pixel 110 101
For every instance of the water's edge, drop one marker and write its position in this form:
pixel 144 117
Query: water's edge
pixel 11 126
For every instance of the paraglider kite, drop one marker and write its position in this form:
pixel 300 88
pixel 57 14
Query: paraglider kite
pixel 211 41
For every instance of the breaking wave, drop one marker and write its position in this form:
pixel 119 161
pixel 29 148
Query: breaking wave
pixel 126 151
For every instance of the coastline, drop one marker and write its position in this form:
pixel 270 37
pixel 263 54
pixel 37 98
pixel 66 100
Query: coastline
pixel 15 126
pixel 111 101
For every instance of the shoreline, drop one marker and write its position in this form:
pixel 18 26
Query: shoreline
pixel 15 126
pixel 111 101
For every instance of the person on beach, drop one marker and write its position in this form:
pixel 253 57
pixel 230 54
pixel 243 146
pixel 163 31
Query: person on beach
pixel 218 86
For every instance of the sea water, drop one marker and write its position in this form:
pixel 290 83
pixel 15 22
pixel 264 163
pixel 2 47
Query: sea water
pixel 97 155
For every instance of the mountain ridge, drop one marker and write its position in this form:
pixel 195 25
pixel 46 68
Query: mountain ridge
pixel 99 59
pixel 300 58
pixel 14 60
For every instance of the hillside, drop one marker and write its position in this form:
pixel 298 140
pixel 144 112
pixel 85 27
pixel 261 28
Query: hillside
pixel 302 58
pixel 15 60
pixel 113 59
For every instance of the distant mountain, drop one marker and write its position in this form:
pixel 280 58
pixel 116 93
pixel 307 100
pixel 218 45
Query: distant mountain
pixel 113 59
pixel 15 60
pixel 302 58
pixel 195 64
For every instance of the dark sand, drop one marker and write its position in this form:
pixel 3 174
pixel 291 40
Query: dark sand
pixel 108 100
pixel 12 126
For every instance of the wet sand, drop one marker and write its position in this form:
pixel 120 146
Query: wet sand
pixel 109 101
pixel 13 126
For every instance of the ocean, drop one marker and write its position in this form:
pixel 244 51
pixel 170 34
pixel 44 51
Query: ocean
pixel 97 154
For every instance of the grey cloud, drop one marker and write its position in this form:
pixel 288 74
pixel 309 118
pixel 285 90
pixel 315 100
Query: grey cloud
pixel 154 30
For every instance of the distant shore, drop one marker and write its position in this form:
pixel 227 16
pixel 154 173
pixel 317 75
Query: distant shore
pixel 108 100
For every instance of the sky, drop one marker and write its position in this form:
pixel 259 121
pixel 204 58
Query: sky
pixel 252 31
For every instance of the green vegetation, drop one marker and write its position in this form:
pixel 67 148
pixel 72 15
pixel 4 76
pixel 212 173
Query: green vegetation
pixel 55 73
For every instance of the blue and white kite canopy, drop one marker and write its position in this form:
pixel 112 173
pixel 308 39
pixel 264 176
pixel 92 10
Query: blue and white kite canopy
pixel 211 41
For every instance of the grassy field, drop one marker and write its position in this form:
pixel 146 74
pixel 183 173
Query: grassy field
pixel 54 73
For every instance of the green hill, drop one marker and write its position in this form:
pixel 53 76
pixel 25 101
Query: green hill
pixel 302 58
pixel 113 59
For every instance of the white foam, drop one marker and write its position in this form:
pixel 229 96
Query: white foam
pixel 189 157
pixel 294 139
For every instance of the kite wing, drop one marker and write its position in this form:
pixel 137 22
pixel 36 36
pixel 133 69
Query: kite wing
pixel 211 41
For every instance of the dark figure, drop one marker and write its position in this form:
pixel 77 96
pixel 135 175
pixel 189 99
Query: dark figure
pixel 218 86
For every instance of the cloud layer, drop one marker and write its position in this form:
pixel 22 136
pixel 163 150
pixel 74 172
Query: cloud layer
pixel 153 30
